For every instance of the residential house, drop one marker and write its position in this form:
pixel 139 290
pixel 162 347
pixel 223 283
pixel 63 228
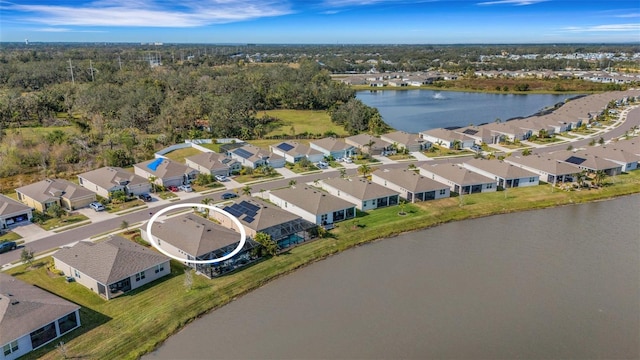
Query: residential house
pixel 627 160
pixel 13 212
pixel 365 195
pixel 447 138
pixel 190 236
pixel 459 179
pixel 213 164
pixel 410 184
pixel 111 267
pixel 479 134
pixel 252 156
pixel 507 131
pixel 506 175
pixel 45 193
pixel 107 180
pixel 31 317
pixel 550 170
pixel 587 161
pixel 255 215
pixel 333 147
pixel 166 172
pixel 368 144
pixel 404 140
pixel 313 204
pixel 293 151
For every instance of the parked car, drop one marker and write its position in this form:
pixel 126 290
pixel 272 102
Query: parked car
pixel 145 197
pixel 227 196
pixel 172 188
pixel 322 165
pixel 97 206
pixel 348 160
pixel 8 246
pixel 185 188
pixel 221 178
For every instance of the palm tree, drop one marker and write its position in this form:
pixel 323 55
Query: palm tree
pixel 246 190
pixel 526 152
pixel 292 183
pixel 599 177
pixel 343 173
pixel 152 180
pixel 368 145
pixel 457 145
pixel 364 169
pixel 206 201
pixel 581 177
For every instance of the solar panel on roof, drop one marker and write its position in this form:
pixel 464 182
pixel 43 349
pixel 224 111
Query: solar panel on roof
pixel 243 153
pixel 470 132
pixel 249 205
pixel 575 160
pixel 285 147
pixel 248 219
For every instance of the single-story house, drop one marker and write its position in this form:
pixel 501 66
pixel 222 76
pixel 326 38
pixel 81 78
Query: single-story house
pixel 402 139
pixel 166 172
pixel 410 184
pixel 364 194
pixel 213 164
pixel 13 212
pixel 459 179
pixel 192 237
pixel 588 161
pixel 111 267
pixel 506 175
pixel 369 144
pixel 293 151
pixel 478 134
pixel 255 215
pixel 45 193
pixel 447 138
pixel 31 317
pixel 507 131
pixel 551 170
pixel 252 156
pixel 107 180
pixel 333 147
pixel 313 205
pixel 627 160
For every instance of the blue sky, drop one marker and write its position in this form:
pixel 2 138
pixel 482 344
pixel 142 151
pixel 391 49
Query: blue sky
pixel 321 21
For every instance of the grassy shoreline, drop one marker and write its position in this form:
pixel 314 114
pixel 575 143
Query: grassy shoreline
pixel 146 317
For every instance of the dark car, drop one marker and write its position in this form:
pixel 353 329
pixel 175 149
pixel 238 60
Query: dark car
pixel 145 197
pixel 227 196
pixel 8 246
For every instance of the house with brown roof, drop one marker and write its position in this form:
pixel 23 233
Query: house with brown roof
pixel 506 175
pixel 192 237
pixel 333 147
pixel 256 215
pixel 252 156
pixel 213 164
pixel 314 205
pixel 459 179
pixel 111 267
pixel 369 144
pixel 404 140
pixel 364 194
pixel 550 170
pixel 166 172
pixel 13 212
pixel 31 317
pixel 410 184
pixel 45 193
pixel 107 180
pixel 293 151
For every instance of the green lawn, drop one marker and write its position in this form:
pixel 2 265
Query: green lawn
pixel 436 151
pixel 9 236
pixel 134 324
pixel 112 208
pixel 255 177
pixel 53 223
pixel 311 121
pixel 166 195
pixel 180 154
pixel 298 169
pixel 37 133
pixel 213 146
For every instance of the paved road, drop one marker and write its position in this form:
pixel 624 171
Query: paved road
pixel 84 232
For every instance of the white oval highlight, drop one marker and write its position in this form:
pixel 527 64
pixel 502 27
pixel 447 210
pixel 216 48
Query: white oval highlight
pixel 243 233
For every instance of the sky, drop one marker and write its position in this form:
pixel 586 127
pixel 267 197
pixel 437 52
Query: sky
pixel 321 21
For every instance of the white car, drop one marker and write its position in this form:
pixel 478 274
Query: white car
pixel 322 165
pixel 348 160
pixel 221 178
pixel 185 188
pixel 97 206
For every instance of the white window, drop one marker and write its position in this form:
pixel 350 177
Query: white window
pixel 159 268
pixel 140 276
pixel 443 191
pixel 489 186
pixel 10 348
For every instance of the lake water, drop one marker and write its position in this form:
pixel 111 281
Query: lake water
pixel 547 284
pixel 417 110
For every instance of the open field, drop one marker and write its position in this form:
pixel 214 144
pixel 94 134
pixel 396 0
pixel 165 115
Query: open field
pixel 145 317
pixel 36 134
pixel 309 121
pixel 180 154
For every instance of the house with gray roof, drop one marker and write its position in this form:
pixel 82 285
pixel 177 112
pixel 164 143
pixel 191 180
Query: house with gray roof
pixel 13 212
pixel 550 170
pixel 252 156
pixel 447 138
pixel 256 215
pixel 586 160
pixel 459 179
pixel 107 180
pixel 293 151
pixel 111 267
pixel 166 172
pixel 45 193
pixel 410 184
pixel 312 204
pixel 31 317
pixel 364 194
pixel 478 134
pixel 333 147
pixel 506 175
pixel 192 237
pixel 404 140
pixel 213 164
pixel 627 160
pixel 369 144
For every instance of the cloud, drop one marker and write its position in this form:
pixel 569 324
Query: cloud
pixel 150 13
pixel 60 29
pixel 631 15
pixel 512 2
pixel 603 28
pixel 348 3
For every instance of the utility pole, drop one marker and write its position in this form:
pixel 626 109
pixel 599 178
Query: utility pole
pixel 91 68
pixel 119 62
pixel 73 81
